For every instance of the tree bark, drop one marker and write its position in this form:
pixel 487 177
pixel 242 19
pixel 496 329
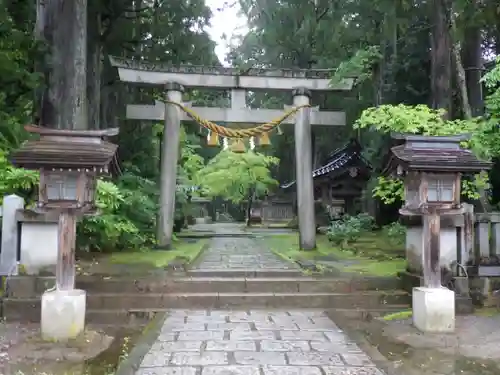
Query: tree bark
pixel 441 55
pixel 472 59
pixel 94 65
pixel 461 81
pixel 62 25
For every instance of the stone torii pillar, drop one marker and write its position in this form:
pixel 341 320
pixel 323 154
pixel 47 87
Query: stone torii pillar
pixel 169 159
pixel 303 165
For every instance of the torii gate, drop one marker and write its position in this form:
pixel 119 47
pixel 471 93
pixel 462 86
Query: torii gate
pixel 174 79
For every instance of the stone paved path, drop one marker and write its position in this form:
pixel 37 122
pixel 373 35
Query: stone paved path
pixel 257 342
pixel 240 253
pixel 254 343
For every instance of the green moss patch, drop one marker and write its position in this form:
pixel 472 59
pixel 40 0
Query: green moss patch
pixel 487 311
pixel 161 258
pixel 144 261
pixel 371 254
pixel 400 315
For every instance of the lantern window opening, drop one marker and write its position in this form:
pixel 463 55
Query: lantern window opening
pixel 440 189
pixel 62 186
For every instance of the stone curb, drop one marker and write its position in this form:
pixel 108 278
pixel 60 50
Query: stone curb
pixel 196 260
pixel 218 235
pixel 130 365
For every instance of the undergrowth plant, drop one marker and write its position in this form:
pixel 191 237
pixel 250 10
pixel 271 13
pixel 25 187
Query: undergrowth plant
pixel 348 229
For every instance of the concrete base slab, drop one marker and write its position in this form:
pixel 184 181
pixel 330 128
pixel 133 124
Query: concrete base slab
pixel 63 314
pixel 434 309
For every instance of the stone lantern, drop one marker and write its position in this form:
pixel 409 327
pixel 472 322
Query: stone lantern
pixel 69 163
pixel 432 167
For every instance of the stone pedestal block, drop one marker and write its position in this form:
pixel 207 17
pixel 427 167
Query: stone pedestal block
pixel 414 244
pixel 434 309
pixel 63 314
pixel 38 246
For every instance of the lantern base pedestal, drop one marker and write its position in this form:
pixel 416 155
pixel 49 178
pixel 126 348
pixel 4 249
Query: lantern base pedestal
pixel 434 309
pixel 63 314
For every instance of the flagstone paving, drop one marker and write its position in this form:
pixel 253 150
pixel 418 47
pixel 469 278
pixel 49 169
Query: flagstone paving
pixel 255 342
pixel 233 253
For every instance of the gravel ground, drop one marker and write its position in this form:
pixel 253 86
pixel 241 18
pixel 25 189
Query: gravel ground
pixel 22 349
pixel 11 335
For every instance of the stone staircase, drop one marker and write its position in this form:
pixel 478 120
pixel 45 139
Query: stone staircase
pixel 235 272
pixel 125 300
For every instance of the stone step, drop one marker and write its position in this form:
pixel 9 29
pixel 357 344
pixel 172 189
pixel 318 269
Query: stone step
pixel 225 272
pixel 230 300
pixel 25 311
pixel 30 287
pixel 140 317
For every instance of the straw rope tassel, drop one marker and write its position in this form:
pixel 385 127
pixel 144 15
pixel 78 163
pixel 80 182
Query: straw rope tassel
pixel 264 140
pixel 238 146
pixel 213 139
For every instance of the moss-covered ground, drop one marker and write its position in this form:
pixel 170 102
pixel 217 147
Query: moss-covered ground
pixel 372 254
pixel 144 260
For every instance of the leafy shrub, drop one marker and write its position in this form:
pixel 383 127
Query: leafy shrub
pixel 341 233
pixel 363 221
pixel 126 217
pixel 349 229
pixel 22 182
pixel 395 233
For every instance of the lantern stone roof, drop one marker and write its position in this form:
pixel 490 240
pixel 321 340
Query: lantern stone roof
pixel 339 161
pixel 66 149
pixel 435 154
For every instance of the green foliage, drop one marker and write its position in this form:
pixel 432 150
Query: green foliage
pixel 123 215
pixel 340 233
pixel 389 189
pixel 421 119
pixel 360 66
pixel 395 233
pixel 17 80
pixel 234 176
pixel 349 229
pixel 18 181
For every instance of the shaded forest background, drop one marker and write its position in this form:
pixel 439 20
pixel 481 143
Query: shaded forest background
pixel 431 52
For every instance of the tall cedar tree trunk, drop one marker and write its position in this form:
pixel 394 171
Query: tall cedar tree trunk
pixel 62 25
pixel 441 45
pixel 472 60
pixel 461 81
pixel 94 65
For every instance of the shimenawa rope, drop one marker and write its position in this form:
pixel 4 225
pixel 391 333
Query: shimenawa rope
pixel 237 133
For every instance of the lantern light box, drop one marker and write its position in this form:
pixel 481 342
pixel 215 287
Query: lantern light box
pixel 69 163
pixel 432 167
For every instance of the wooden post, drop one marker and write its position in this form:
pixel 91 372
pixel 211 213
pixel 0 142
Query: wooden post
pixel 65 269
pixel 431 239
pixel 468 250
pixel 303 161
pixel 169 157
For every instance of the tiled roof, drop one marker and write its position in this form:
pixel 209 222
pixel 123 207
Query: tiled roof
pixel 337 160
pixel 58 154
pixel 427 153
pixel 440 159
